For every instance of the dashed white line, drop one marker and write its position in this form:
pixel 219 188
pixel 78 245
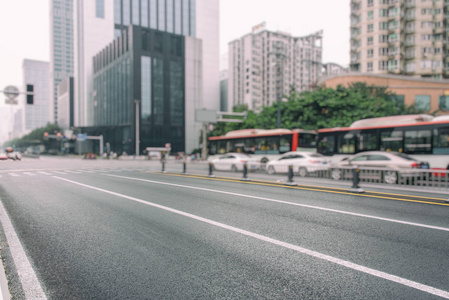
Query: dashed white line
pixel 13 174
pixel 341 262
pixel 29 173
pixel 44 173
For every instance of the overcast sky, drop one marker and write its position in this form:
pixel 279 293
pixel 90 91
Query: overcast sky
pixel 25 31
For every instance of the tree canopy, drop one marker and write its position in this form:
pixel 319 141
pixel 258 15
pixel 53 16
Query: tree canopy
pixel 323 108
pixel 35 137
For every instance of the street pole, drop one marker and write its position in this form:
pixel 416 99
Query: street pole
pixel 137 127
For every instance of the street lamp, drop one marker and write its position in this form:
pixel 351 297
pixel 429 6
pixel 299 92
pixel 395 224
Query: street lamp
pixel 279 80
pixel 137 102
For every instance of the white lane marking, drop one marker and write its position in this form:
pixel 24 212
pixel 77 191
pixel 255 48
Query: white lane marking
pixel 13 174
pixel 74 172
pixel 45 173
pixel 27 276
pixel 288 203
pixel 58 172
pixel 29 173
pixel 341 262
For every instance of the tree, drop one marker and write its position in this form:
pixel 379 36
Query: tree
pixel 36 137
pixel 324 108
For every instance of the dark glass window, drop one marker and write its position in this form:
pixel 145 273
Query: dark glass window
pixel 391 140
pixel 417 141
pixel 444 103
pixel 158 91
pixel 326 144
pixel 346 143
pixel 422 102
pixel 441 141
pixel 176 93
pixel 158 42
pixel 367 141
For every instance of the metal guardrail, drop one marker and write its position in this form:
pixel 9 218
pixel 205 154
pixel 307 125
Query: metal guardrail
pixel 424 179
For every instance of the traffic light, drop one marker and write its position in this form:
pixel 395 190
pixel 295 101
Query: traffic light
pixel 58 136
pixel 45 136
pixel 30 94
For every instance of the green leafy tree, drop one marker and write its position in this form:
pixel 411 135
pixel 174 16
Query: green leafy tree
pixel 36 137
pixel 324 108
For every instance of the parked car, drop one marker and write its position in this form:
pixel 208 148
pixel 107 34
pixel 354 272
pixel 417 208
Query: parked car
pixel 14 155
pixel 302 162
pixel 235 161
pixel 395 164
pixel 3 156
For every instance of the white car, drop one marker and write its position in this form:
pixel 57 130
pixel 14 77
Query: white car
pixel 234 162
pixel 302 162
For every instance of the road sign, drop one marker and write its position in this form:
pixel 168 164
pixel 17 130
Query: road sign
pixel 81 137
pixel 11 93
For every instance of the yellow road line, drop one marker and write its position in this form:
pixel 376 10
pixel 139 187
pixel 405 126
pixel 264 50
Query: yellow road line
pixel 317 189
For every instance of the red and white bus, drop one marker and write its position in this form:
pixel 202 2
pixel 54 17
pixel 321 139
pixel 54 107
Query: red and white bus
pixel 423 137
pixel 266 143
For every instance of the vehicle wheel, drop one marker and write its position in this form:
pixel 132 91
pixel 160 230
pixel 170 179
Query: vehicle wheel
pixel 264 160
pixel 271 170
pixel 336 174
pixel 390 177
pixel 234 168
pixel 302 172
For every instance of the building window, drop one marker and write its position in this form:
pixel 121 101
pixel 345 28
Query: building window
pixel 370 53
pixel 369 67
pixel 117 12
pixel 370 40
pixel 126 13
pixel 146 86
pixel 370 28
pixel 99 9
pixel 135 12
pixel 370 15
pixel 399 100
pixel 422 102
pixel 370 3
pixel 443 103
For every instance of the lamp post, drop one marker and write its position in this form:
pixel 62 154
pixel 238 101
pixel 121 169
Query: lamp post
pixel 137 102
pixel 279 79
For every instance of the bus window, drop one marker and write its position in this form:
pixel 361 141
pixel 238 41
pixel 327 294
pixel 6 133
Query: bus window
pixel 267 145
pixel 285 144
pixel 391 140
pixel 367 141
pixel 346 143
pixel 213 148
pixel 326 144
pixel 306 140
pixel 441 141
pixel 418 141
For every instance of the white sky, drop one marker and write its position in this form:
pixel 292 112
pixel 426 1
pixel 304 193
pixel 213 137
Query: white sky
pixel 24 29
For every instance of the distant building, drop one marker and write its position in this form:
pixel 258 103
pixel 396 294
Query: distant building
pixel 61 47
pixel 399 37
pixel 98 22
pixel 333 69
pixel 65 103
pixel 425 94
pixel 264 65
pixel 224 90
pixel 38 113
pixel 147 82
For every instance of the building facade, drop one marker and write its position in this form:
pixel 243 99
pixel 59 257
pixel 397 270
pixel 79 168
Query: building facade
pixel 98 22
pixel 224 90
pixel 426 94
pixel 38 113
pixel 66 103
pixel 407 37
pixel 61 47
pixel 144 83
pixel 264 65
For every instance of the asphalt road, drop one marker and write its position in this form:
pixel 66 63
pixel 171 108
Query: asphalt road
pixel 123 230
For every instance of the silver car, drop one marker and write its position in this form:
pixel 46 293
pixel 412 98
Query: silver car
pixel 234 162
pixel 390 165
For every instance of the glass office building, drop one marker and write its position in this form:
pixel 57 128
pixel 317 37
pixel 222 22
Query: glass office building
pixel 141 71
pixel 172 16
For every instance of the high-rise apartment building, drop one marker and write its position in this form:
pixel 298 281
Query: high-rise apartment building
pixel 61 47
pixel 38 113
pixel 400 37
pixel 264 65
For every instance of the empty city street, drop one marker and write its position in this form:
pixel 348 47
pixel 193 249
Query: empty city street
pixel 124 230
